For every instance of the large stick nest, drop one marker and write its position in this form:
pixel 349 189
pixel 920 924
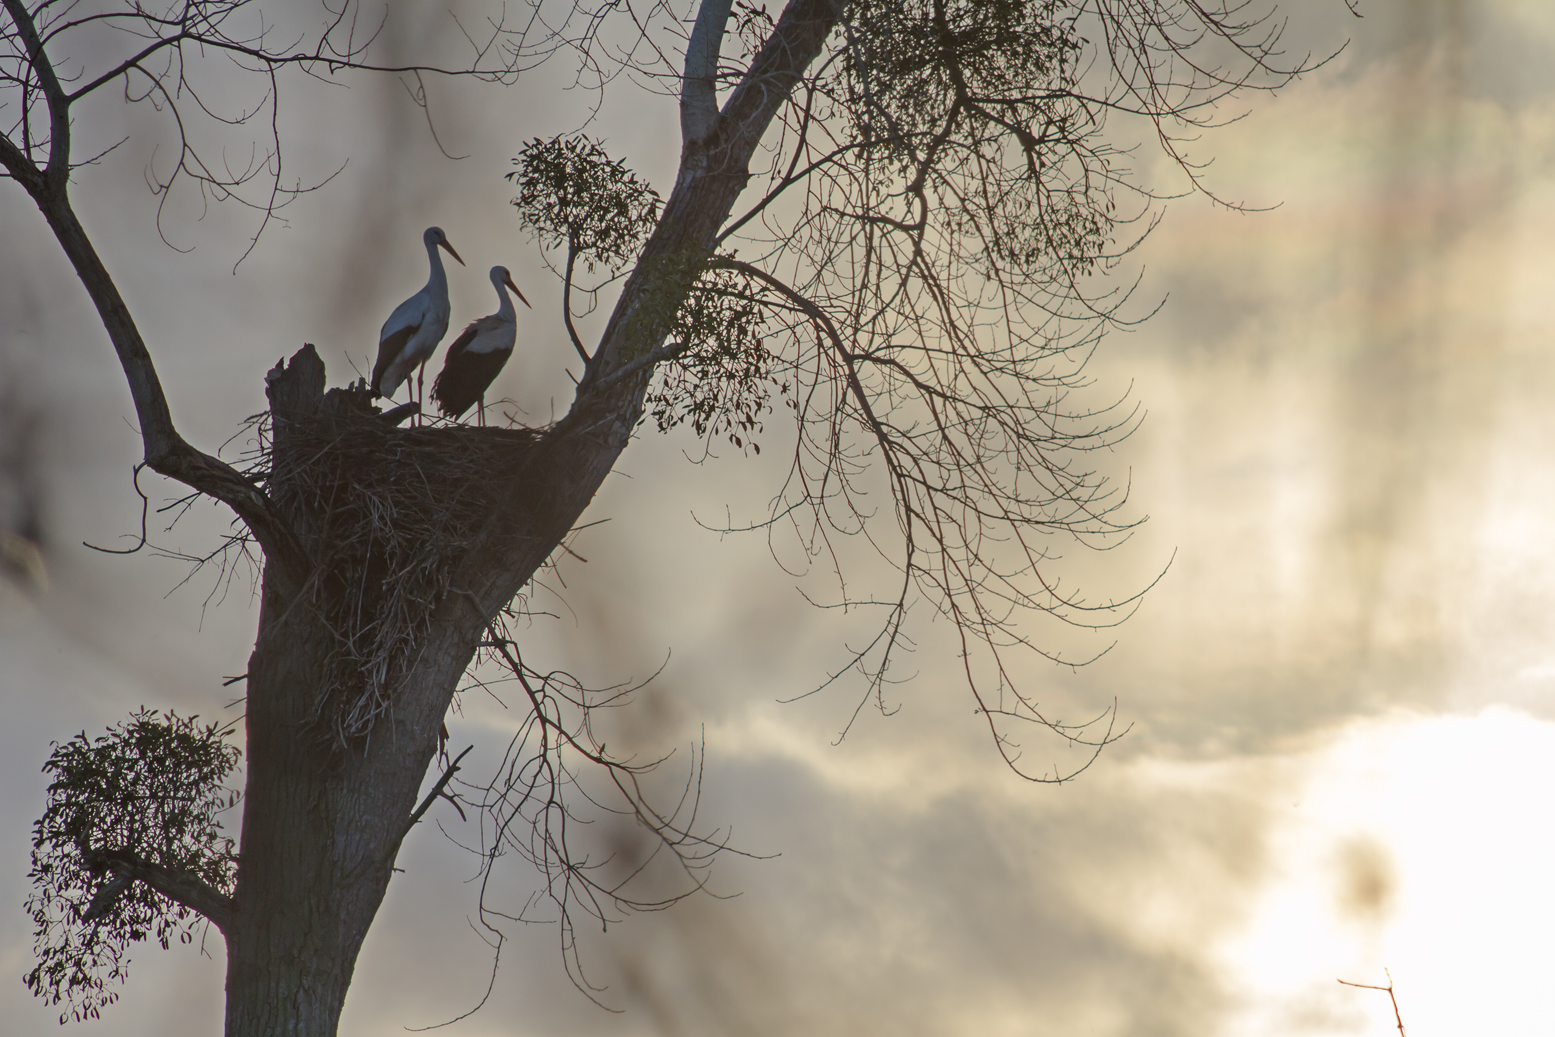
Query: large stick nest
pixel 388 514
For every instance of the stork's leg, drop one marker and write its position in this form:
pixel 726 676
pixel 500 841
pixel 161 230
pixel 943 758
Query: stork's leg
pixel 480 408
pixel 421 373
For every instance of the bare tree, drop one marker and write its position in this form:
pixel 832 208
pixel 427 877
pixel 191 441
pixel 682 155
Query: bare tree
pixel 897 217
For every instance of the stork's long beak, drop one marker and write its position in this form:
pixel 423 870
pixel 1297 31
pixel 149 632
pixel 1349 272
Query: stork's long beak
pixel 451 251
pixel 510 284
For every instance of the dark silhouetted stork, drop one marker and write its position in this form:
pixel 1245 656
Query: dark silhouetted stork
pixel 479 353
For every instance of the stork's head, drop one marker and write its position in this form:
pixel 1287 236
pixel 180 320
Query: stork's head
pixel 435 236
pixel 500 277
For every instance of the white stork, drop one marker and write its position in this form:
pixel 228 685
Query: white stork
pixel 479 353
pixel 411 334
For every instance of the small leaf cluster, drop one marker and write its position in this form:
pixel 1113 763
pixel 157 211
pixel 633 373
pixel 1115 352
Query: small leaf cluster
pixel 151 787
pixel 570 193
pixel 721 380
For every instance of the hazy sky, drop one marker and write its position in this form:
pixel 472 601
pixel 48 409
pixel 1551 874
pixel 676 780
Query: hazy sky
pixel 1342 691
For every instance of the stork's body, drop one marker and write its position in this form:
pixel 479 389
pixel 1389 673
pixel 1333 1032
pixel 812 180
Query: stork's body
pixel 411 334
pixel 479 353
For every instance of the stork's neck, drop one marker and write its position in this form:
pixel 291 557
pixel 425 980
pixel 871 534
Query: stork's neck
pixel 438 282
pixel 505 311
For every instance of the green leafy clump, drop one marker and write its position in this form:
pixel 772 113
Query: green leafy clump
pixel 572 194
pixel 716 372
pixel 148 791
pixel 721 376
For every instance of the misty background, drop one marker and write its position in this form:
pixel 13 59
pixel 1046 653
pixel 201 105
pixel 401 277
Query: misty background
pixel 1340 691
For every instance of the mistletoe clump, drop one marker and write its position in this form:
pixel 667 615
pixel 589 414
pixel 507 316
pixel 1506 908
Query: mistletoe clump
pixel 136 803
pixel 721 375
pixel 715 372
pixel 572 194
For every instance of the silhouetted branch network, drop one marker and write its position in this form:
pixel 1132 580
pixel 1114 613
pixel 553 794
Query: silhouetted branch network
pixel 921 275
pixel 554 785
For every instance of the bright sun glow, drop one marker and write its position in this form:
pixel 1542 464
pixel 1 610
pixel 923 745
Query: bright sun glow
pixel 1421 846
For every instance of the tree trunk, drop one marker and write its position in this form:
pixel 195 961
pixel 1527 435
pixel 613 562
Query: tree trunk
pixel 322 820
pixel 300 912
pixel 320 827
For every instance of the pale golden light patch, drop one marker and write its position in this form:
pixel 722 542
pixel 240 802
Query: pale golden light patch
pixel 1535 16
pixel 1418 846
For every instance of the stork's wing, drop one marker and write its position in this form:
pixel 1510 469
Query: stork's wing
pixel 403 325
pixel 412 313
pixel 465 377
pixel 389 349
pixel 489 335
pixel 465 338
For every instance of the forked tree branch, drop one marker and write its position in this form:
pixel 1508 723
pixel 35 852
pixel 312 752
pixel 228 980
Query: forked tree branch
pixel 166 452
pixel 699 85
pixel 1398 1017
pixel 709 180
pixel 431 797
pixel 59 105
